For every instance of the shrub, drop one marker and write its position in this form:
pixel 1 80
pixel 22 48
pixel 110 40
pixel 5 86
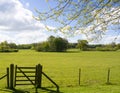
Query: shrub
pixel 105 49
pixel 9 50
pixel 44 46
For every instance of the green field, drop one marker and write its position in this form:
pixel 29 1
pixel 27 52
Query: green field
pixel 63 69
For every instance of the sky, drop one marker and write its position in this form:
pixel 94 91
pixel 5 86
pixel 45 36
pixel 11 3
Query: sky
pixel 17 24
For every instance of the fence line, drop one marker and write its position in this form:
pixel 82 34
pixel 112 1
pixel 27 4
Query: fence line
pixel 84 76
pixel 66 77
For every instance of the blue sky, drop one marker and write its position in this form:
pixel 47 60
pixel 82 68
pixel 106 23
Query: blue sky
pixel 17 24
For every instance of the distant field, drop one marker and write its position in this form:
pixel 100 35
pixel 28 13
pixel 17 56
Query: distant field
pixel 63 69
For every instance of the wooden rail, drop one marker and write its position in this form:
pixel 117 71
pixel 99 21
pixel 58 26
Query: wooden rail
pixel 24 75
pixel 3 76
pixel 51 81
pixel 26 67
pixel 6 75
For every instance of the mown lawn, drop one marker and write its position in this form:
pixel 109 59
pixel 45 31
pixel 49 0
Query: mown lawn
pixel 63 69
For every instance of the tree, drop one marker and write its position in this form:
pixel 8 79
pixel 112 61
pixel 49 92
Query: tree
pixel 53 44
pixel 44 46
pixel 60 44
pixel 72 45
pixel 57 44
pixel 24 46
pixel 113 44
pixel 4 46
pixel 12 45
pixel 82 16
pixel 118 46
pixel 82 44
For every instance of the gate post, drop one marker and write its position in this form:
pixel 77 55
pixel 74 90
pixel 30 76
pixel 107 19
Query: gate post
pixel 11 76
pixel 38 81
pixel 7 77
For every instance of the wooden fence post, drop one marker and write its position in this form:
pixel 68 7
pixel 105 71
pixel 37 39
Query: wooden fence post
pixel 108 76
pixel 36 77
pixel 15 75
pixel 39 76
pixel 11 76
pixel 7 77
pixel 79 75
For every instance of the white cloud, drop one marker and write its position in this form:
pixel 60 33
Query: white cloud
pixel 32 36
pixel 18 25
pixel 14 15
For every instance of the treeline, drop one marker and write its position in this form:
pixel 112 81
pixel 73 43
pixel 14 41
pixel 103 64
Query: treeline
pixel 12 47
pixel 8 47
pixel 58 44
pixel 53 44
pixel 84 46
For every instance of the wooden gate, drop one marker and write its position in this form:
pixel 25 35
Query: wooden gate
pixel 24 75
pixel 28 75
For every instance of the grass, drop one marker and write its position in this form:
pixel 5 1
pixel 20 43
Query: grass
pixel 63 69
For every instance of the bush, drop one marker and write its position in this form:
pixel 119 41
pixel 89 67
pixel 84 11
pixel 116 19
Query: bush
pixel 8 47
pixel 91 49
pixel 44 46
pixel 105 49
pixel 9 50
pixel 14 50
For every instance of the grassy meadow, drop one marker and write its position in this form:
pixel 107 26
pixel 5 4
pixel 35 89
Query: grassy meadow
pixel 63 68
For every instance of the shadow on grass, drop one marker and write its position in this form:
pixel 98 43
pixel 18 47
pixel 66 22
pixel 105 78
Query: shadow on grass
pixel 39 90
pixel 19 91
pixel 14 91
pixel 67 52
pixel 47 90
pixel 109 83
pixel 72 51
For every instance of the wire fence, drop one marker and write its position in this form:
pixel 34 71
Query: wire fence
pixel 85 76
